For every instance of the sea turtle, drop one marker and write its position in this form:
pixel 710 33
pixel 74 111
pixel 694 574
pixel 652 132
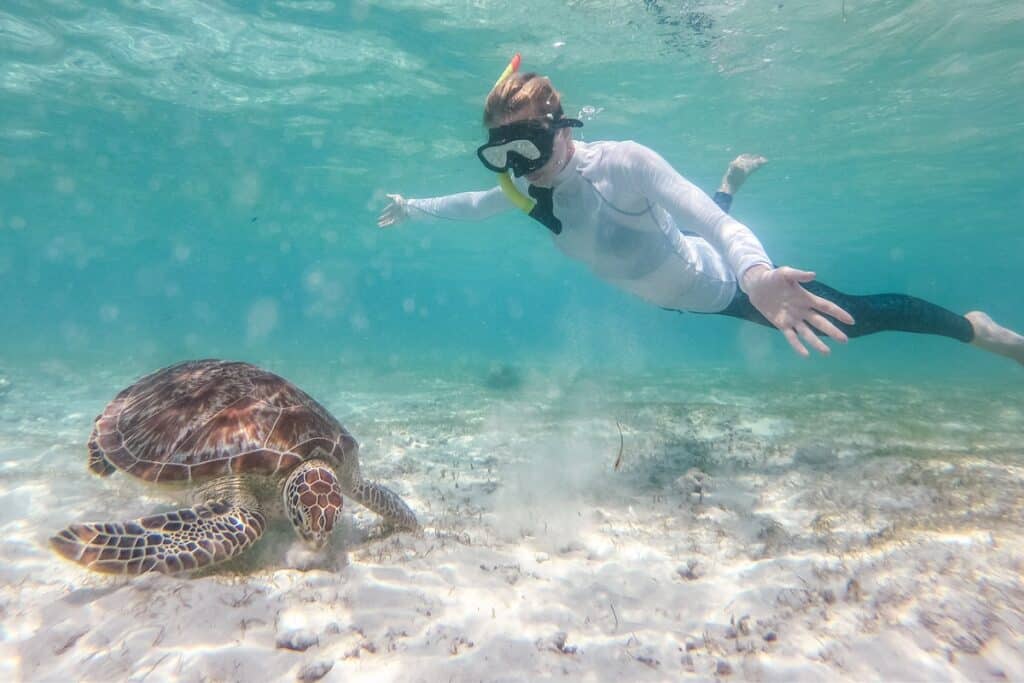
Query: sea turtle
pixel 234 434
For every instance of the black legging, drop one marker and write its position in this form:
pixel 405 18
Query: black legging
pixel 872 313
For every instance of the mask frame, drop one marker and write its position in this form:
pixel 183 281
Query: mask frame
pixel 522 146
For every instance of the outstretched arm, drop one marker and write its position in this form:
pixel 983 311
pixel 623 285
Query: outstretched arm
pixel 465 206
pixel 775 292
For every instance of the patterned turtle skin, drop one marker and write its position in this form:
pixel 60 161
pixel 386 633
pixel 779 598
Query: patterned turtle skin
pixel 235 435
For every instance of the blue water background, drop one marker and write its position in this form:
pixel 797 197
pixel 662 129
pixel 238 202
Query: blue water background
pixel 192 179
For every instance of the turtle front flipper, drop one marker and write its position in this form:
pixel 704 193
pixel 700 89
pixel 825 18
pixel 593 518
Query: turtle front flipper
pixel 384 502
pixel 173 542
pixel 373 496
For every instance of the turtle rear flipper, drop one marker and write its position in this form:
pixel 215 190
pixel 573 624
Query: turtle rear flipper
pixel 173 542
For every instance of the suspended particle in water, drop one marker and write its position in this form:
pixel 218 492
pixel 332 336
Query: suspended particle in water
pixel 359 322
pixel 182 253
pixel 247 189
pixel 360 10
pixel 262 318
pixel 515 309
pixel 314 279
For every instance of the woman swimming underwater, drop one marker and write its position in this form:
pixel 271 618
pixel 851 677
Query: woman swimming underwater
pixel 638 224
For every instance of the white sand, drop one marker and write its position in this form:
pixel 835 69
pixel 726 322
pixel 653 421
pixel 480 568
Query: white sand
pixel 870 534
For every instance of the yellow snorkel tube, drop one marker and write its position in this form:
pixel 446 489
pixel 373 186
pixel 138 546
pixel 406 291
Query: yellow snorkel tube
pixel 518 199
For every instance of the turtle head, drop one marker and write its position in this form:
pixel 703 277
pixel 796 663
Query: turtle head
pixel 312 501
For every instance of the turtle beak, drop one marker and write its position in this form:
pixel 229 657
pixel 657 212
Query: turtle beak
pixel 315 525
pixel 317 540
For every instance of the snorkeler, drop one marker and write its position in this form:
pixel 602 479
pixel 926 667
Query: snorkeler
pixel 641 226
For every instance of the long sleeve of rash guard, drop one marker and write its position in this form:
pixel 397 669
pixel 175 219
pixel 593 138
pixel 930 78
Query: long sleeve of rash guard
pixel 692 209
pixel 464 206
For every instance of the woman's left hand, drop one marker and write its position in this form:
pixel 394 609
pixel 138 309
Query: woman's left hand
pixel 778 295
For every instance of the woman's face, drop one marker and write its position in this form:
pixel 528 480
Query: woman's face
pixel 560 154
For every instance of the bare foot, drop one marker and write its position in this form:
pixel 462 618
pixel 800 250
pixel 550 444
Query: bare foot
pixel 995 338
pixel 739 170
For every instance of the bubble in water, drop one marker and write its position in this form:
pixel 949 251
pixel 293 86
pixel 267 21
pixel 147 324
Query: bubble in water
pixel 589 113
pixel 74 334
pixel 247 189
pixel 515 309
pixel 262 318
pixel 314 279
pixel 359 322
pixel 360 10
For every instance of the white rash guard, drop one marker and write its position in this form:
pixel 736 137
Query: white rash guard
pixel 623 211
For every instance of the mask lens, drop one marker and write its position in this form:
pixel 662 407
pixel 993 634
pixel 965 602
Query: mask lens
pixel 493 157
pixel 524 148
pixel 501 157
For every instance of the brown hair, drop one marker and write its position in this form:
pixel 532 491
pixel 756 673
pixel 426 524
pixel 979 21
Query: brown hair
pixel 522 92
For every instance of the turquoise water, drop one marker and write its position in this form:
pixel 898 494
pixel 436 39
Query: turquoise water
pixel 190 179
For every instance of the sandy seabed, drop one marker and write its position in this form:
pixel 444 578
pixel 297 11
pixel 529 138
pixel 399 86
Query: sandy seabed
pixel 864 533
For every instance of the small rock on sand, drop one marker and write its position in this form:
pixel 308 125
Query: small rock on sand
pixel 299 640
pixel 315 671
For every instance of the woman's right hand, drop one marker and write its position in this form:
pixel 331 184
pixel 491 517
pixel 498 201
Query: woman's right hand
pixel 394 213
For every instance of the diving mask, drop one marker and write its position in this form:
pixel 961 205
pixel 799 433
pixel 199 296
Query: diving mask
pixel 523 146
